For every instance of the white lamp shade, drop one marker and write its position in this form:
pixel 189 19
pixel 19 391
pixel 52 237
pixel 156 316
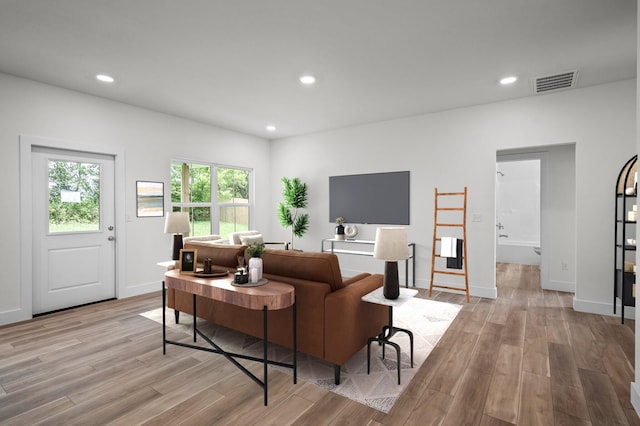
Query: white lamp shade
pixel 177 223
pixel 391 244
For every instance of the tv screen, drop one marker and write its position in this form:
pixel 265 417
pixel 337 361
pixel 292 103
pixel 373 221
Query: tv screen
pixel 375 198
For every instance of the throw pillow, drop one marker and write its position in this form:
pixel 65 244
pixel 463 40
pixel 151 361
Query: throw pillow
pixel 247 240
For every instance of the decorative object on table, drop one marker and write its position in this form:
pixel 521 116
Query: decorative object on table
pixel 241 277
pixel 255 262
pixel 295 198
pixel 350 231
pixel 339 235
pixel 207 265
pixel 149 199
pixel 391 245
pixel 188 261
pixel 177 223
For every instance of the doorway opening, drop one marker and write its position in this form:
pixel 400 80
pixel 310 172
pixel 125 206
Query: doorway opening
pixel 555 253
pixel 518 220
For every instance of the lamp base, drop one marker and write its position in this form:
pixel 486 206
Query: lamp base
pixel 391 285
pixel 177 246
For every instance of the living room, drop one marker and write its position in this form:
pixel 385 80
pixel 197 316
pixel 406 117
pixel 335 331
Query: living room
pixel 447 149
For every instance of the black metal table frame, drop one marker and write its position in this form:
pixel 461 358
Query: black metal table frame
pixel 388 331
pixel 230 355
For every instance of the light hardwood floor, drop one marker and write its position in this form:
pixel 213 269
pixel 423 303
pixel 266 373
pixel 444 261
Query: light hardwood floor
pixel 524 358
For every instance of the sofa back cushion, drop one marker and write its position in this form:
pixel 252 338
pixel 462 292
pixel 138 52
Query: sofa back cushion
pixel 220 254
pixel 311 266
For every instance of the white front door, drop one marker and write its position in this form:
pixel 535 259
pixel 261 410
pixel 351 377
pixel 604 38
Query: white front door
pixel 73 229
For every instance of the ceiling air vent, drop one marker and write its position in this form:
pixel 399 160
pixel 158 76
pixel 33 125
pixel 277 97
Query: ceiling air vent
pixel 549 83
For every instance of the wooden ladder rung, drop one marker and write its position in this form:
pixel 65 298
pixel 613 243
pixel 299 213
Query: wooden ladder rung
pixel 461 209
pixel 438 239
pixel 447 257
pixel 449 224
pixel 448 287
pixel 440 271
pixel 449 193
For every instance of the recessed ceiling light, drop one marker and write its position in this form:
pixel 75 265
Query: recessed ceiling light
pixel 509 80
pixel 271 128
pixel 307 79
pixel 105 78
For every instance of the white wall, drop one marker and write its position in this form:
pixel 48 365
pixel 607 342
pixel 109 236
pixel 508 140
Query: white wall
pixel 149 141
pixel 455 148
pixel 449 150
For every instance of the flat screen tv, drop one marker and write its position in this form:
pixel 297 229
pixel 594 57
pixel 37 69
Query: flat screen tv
pixel 375 198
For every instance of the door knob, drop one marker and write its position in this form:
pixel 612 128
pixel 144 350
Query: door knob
pixel 110 228
pixel 111 238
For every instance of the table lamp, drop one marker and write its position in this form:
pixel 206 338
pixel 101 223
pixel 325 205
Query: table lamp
pixel 391 245
pixel 177 223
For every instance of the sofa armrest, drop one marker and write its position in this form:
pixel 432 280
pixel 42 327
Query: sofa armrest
pixel 349 321
pixel 358 277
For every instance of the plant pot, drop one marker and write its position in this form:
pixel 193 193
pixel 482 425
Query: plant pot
pixel 339 232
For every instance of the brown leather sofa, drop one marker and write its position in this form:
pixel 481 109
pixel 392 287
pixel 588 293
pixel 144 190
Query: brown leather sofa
pixel 333 322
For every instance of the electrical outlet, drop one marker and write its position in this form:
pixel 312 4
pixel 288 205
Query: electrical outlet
pixel 564 266
pixel 477 217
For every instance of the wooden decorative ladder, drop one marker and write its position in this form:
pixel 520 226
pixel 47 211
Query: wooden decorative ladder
pixel 456 198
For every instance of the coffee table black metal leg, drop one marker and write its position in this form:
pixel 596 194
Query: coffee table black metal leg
pixel 265 345
pixel 295 342
pixel 194 317
pixel 164 325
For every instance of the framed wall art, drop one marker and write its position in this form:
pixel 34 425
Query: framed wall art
pixel 149 199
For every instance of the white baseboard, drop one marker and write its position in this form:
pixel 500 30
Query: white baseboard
pixel 600 308
pixel 565 286
pixel 14 315
pixel 139 289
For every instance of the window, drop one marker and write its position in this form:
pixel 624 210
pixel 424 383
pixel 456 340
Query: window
pixel 226 210
pixel 74 196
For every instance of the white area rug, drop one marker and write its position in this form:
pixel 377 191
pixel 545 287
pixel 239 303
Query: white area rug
pixel 427 319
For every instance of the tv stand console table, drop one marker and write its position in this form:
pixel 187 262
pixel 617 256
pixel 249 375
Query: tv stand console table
pixel 365 248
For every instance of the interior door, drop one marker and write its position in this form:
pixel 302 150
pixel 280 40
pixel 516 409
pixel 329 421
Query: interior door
pixel 73 229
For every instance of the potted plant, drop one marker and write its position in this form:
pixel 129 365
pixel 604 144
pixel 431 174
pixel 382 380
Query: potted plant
pixel 289 214
pixel 255 261
pixel 340 228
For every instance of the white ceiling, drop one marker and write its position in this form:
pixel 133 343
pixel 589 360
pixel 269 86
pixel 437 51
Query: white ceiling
pixel 235 63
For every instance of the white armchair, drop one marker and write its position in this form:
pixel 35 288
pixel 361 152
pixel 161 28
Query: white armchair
pixel 209 239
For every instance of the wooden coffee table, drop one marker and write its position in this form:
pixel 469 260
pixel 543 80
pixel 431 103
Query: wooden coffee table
pixel 272 296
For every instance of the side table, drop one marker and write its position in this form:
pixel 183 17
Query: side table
pixel 389 330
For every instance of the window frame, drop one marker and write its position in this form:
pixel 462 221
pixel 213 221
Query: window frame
pixel 214 205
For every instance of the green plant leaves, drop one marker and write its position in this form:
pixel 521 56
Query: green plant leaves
pixel 295 197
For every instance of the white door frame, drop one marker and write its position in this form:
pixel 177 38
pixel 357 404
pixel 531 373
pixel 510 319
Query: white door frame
pixel 26 143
